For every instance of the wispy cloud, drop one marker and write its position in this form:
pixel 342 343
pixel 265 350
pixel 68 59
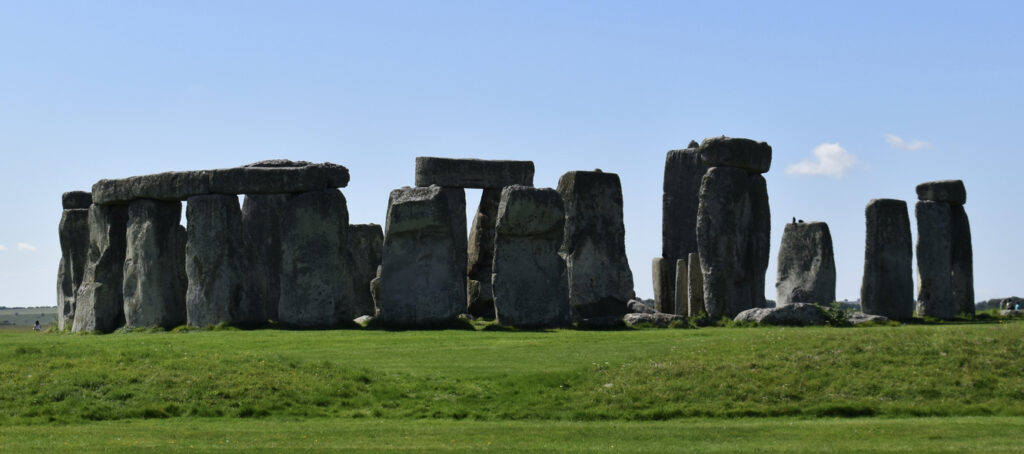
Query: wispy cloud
pixel 25 247
pixel 830 159
pixel 3 248
pixel 898 143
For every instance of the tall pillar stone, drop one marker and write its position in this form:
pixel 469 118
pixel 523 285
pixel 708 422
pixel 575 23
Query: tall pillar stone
pixel 807 267
pixel 887 288
pixel 594 246
pixel 154 266
pixel 530 282
pixel 944 252
pixel 313 266
pixel 423 261
pixel 481 255
pixel 365 242
pixel 694 287
pixel 662 273
pixel 684 170
pixel 99 305
pixel 962 262
pixel 216 264
pixel 681 293
pixel 74 244
pixel 760 238
pixel 261 233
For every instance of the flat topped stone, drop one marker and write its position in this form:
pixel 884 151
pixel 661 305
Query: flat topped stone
pixel 750 155
pixel 472 173
pixel 949 191
pixel 76 200
pixel 265 177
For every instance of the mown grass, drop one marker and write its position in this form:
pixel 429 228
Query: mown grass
pixel 495 376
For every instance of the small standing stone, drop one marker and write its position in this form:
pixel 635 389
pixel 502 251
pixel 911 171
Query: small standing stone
pixel 662 275
pixel 887 288
pixel 681 291
pixel 807 268
pixel 695 287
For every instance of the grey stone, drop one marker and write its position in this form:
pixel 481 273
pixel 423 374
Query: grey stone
pixel 217 265
pixel 261 233
pixel 423 262
pixel 681 292
pixel 375 289
pixel 1011 312
pixel 962 261
pixel 694 287
pixel 660 320
pixel 530 282
pixel 934 251
pixel 472 173
pixel 481 255
pixel 76 200
pixel 154 291
pixel 99 305
pixel 684 171
pixel 806 265
pixel 635 305
pixel 277 179
pixel 662 273
pixel 752 156
pixel 948 191
pixel 74 246
pixel 759 239
pixel 594 246
pixel 795 314
pixel 723 233
pixel 857 318
pixel 313 266
pixel 887 288
pixel 364 247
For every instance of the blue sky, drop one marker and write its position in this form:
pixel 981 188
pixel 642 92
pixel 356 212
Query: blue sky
pixel 890 94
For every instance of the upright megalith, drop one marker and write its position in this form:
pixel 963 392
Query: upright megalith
pixel 680 294
pixel 313 265
pixel 99 305
pixel 733 224
pixel 807 267
pixel 363 252
pixel 480 298
pixel 694 287
pixel 261 234
pixel 684 170
pixel 944 252
pixel 217 265
pixel 887 288
pixel 423 261
pixel 74 245
pixel 663 277
pixel 530 282
pixel 594 246
pixel 154 265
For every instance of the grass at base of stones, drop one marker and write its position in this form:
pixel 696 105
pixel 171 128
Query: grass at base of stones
pixel 960 434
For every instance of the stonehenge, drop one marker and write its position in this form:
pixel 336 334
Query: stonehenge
pixel 944 252
pixel 363 255
pixel 154 265
pixel 684 170
pixel 663 275
pixel 99 305
pixel 74 245
pixel 806 265
pixel 215 264
pixel 681 294
pixel 887 288
pixel 694 287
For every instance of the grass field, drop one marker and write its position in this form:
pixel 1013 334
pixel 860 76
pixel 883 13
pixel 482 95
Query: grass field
pixel 928 387
pixel 17 319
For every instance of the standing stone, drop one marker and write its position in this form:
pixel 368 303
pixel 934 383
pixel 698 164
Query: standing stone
pixel 74 245
pixel 99 305
pixel 684 170
pixel 261 233
pixel 723 233
pixel 216 264
pixel 663 277
pixel 681 293
pixel 530 282
pixel 934 251
pixel 423 262
pixel 154 291
pixel 807 268
pixel 887 288
pixel 694 287
pixel 313 269
pixel 481 255
pixel 363 251
pixel 759 246
pixel 962 261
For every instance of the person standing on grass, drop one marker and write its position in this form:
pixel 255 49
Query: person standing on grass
pixel 38 327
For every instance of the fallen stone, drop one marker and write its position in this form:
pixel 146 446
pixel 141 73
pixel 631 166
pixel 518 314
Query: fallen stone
pixel 887 288
pixel 694 287
pixel 934 251
pixel 216 265
pixel 857 318
pixel 658 319
pixel 261 233
pixel 752 156
pixel 364 248
pixel 472 173
pixel 76 200
pixel 637 306
pixel 806 265
pixel 154 265
pixel 1011 312
pixel 480 296
pixel 684 170
pixel 363 319
pixel 530 282
pixel 74 245
pixel 663 276
pixel 948 191
pixel 794 314
pixel 681 292
pixel 99 305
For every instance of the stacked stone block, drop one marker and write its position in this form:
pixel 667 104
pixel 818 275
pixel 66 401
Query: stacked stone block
pixel 944 253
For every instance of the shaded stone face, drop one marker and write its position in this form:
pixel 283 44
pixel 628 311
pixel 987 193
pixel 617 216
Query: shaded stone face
pixel 723 233
pixel 313 266
pixel 261 233
pixel 759 245
pixel 76 200
pixel 530 282
pixel 681 291
pixel 806 265
pixel 217 265
pixel 684 170
pixel 663 277
pixel 948 191
pixel 74 245
pixel 365 242
pixel 594 245
pixel 694 287
pixel 962 262
pixel 154 265
pixel 423 261
pixel 934 251
pixel 887 288
pixel 481 255
pixel 472 173
pixel 746 154
pixel 99 305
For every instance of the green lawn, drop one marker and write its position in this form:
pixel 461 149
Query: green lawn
pixel 21 317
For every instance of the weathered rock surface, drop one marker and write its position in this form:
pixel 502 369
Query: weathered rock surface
pixel 154 265
pixel 270 177
pixel 658 319
pixel 962 261
pixel 472 173
pixel 887 288
pixel 752 156
pixel 530 282
pixel 794 314
pixel 724 233
pixel 261 234
pixel 1011 312
pixel 759 244
pixel 635 305
pixel 481 255
pixel 217 265
pixel 684 170
pixel 948 191
pixel 365 242
pixel 680 294
pixel 856 318
pixel 594 246
pixel 313 267
pixel 99 305
pixel 806 265
pixel 423 262
pixel 934 251
pixel 694 287
pixel 74 246
pixel 76 200
pixel 662 273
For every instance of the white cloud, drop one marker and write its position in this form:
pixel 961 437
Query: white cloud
pixel 3 248
pixel 830 159
pixel 897 142
pixel 26 247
